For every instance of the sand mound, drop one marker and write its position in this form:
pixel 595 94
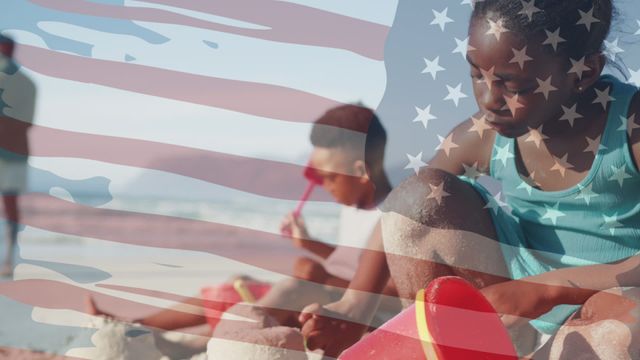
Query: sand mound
pixel 257 338
pixel 116 340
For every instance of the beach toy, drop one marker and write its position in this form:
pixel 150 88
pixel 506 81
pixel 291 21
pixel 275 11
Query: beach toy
pixel 314 179
pixel 450 320
pixel 240 285
pixel 217 299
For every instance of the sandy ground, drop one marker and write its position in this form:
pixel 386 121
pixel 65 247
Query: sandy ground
pixel 24 354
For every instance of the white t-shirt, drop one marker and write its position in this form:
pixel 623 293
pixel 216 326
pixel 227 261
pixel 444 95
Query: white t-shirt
pixel 354 231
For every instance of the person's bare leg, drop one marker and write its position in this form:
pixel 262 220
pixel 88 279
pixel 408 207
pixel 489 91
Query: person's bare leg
pixel 183 315
pixel 606 327
pixel 10 202
pixel 287 297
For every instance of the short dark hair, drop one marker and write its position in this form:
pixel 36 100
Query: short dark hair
pixel 329 132
pixel 555 14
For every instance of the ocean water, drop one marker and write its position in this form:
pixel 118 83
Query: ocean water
pixel 251 213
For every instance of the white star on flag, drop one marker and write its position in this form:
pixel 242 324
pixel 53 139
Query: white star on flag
pixel 545 87
pixel 525 186
pixel 633 126
pixel 527 183
pixel 586 193
pixel 561 165
pixel 611 223
pixel 479 125
pixel 462 47
pixel 455 94
pixel 446 144
pixel 570 114
pixel 552 213
pixel 578 67
pixel 488 77
pixel 471 172
pixel 495 203
pixel 553 39
pixel 624 124
pixel 441 19
pixel 496 28
pixel 415 163
pixel 603 97
pixel 432 67
pixel 620 174
pixel 529 8
pixel 503 154
pixel 536 136
pixel 437 192
pixel 634 76
pixel 513 104
pixel 586 19
pixel 424 116
pixel 520 57
pixel 611 49
pixel 594 145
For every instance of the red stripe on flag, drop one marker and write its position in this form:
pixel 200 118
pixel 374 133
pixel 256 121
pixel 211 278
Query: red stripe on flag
pixel 290 23
pixel 269 251
pixel 270 101
pixel 257 176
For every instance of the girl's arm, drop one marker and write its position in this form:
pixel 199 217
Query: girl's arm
pixel 565 286
pixel 575 285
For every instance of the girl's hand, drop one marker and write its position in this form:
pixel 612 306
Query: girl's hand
pixel 519 301
pixel 294 227
pixel 325 327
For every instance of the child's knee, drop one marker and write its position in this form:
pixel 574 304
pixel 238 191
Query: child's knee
pixel 309 270
pixel 611 304
pixel 604 339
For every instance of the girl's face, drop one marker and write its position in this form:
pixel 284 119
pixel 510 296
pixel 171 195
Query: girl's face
pixel 509 77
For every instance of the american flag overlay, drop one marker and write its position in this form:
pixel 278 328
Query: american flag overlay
pixel 167 140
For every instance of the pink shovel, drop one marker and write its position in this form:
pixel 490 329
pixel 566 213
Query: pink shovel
pixel 314 179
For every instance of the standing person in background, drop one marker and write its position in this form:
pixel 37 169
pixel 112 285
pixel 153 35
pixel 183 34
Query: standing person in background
pixel 17 104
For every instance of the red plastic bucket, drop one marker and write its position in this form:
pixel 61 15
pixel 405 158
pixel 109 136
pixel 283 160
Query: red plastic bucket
pixel 450 320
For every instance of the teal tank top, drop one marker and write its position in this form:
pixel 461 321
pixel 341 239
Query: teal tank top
pixel 595 222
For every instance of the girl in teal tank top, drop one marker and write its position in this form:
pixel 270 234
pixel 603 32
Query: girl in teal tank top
pixel 596 221
pixel 565 150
